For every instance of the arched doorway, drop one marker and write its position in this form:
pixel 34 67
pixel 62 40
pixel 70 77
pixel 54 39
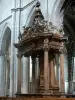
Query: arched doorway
pixel 5 49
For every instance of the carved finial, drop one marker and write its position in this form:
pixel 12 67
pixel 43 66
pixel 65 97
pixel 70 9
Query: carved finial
pixel 38 13
pixel 38 4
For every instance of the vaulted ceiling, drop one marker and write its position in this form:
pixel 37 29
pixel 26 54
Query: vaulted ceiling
pixel 69 18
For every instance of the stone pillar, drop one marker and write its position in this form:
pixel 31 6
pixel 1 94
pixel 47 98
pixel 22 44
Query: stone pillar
pixel 46 66
pixel 62 86
pixel 2 76
pixel 33 74
pixel 57 66
pixel 19 73
pixel 66 73
pixel 25 75
pixel 37 74
pixel 7 76
pixel 13 53
pixel 28 85
pixel 14 39
pixel 29 74
pixel 70 71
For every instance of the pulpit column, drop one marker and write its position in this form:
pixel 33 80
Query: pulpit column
pixel 19 73
pixel 46 66
pixel 52 76
pixel 62 86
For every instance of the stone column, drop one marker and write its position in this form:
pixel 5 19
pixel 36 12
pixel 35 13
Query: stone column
pixel 66 72
pixel 37 74
pixel 7 76
pixel 19 73
pixel 25 75
pixel 2 76
pixel 16 16
pixel 13 52
pixel 28 75
pixel 57 66
pixel 62 86
pixel 46 66
pixel 33 74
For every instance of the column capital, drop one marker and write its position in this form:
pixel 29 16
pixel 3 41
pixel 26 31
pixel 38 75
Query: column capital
pixel 63 50
pixel 46 44
pixel 19 55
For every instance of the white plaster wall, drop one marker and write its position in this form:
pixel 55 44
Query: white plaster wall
pixel 25 2
pixel 5 8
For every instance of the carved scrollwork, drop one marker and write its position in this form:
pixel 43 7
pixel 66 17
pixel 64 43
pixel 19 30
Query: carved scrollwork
pixel 27 32
pixel 39 25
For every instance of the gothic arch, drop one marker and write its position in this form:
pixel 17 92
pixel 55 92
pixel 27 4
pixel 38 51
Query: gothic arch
pixel 6 39
pixel 5 56
pixel 6 27
pixel 57 14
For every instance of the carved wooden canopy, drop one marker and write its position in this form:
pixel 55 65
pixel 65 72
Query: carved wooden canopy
pixel 31 41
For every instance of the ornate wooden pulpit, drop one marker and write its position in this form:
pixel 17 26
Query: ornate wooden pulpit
pixel 42 40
